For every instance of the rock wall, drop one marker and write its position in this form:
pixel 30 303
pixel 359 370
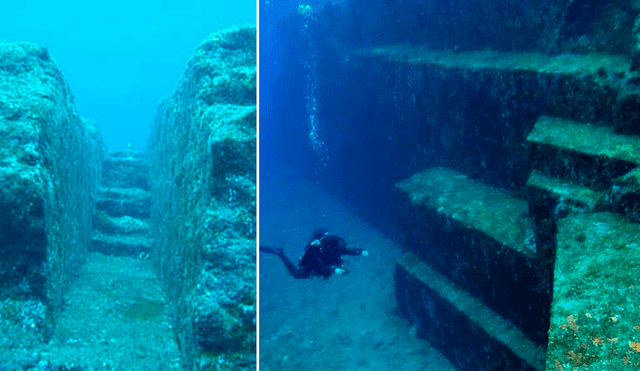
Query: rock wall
pixel 469 111
pixel 437 113
pixel 49 159
pixel 534 103
pixel 550 26
pixel 203 191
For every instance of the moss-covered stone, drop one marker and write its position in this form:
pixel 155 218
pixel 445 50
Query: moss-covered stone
pixel 48 174
pixel 119 202
pixel 441 311
pixel 551 26
pixel 591 140
pixel 584 154
pixel 125 170
pixel 202 157
pixel 594 316
pixel 481 239
pixel 570 195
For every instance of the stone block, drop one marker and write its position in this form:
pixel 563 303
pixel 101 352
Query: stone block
pixel 202 162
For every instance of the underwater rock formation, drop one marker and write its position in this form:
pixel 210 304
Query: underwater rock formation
pixel 202 158
pixel 462 106
pixel 122 206
pixel 47 180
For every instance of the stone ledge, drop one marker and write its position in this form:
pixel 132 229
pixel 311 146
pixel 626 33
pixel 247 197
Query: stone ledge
pixel 474 205
pixel 573 196
pixel 455 322
pixel 567 64
pixel 480 238
pixel 592 155
pixel 124 201
pixel 591 140
pixel 121 245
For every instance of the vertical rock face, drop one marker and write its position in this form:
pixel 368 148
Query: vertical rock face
pixel 554 26
pixel 203 184
pixel 47 176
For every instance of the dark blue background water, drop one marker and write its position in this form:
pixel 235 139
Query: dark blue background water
pixel 121 57
pixel 316 324
pixel 286 44
pixel 306 122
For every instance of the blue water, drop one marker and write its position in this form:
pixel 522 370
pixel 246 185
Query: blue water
pixel 343 322
pixel 121 57
pixel 288 87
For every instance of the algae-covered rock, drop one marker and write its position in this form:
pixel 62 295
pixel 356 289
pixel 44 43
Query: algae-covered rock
pixel 47 177
pixel 594 315
pixel 202 157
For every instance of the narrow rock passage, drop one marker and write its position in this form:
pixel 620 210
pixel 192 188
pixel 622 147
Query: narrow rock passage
pixel 77 288
pixel 114 319
pixel 115 315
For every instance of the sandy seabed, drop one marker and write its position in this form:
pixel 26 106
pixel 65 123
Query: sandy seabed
pixel 343 323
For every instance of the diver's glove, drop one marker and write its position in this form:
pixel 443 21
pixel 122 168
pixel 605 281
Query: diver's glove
pixel 340 271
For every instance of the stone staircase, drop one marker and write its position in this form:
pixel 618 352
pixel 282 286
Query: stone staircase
pixel 541 276
pixel 471 267
pixel 122 207
pixel 116 315
pixel 583 192
pixel 483 339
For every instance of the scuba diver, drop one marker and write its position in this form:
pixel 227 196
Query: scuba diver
pixel 321 258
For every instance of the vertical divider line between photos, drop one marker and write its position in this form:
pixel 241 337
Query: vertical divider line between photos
pixel 257 185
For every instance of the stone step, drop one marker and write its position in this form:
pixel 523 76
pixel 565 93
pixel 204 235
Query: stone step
pixel 594 314
pixel 480 238
pixel 556 83
pixel 469 334
pixel 125 170
pixel 498 96
pixel 117 202
pixel 471 205
pixel 624 196
pixel 567 64
pixel 566 197
pixel 121 245
pixel 124 225
pixel 551 199
pixel 587 154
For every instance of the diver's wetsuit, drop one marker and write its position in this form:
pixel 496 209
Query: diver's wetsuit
pixel 321 258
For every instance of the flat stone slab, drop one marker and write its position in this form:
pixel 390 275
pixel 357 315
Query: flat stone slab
pixel 572 195
pixel 472 204
pixel 596 141
pixel 576 64
pixel 125 170
pixel 127 225
pixel 480 238
pixel 134 202
pixel 456 322
pixel 121 245
pixel 595 321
